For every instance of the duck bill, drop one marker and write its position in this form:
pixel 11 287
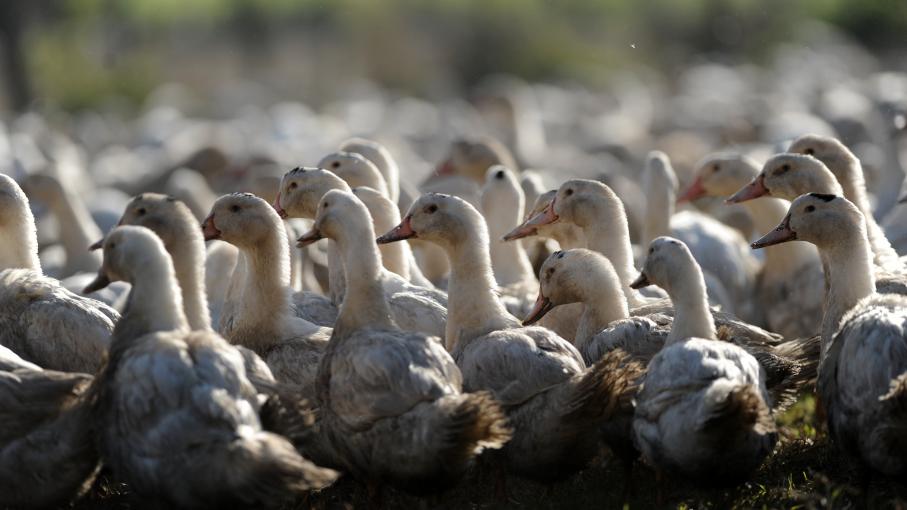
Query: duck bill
pixel 401 232
pixel 529 227
pixel 641 281
pixel 755 189
pixel 781 234
pixel 520 232
pixel 694 192
pixel 101 281
pixel 97 245
pixel 308 238
pixel 542 306
pixel 209 230
pixel 276 205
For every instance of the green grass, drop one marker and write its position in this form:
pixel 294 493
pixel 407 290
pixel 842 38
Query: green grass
pixel 804 473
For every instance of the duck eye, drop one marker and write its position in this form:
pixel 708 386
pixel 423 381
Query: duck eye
pixel 431 209
pixel 293 185
pixel 568 192
pixel 112 245
pixel 550 271
pixel 499 174
pixel 140 211
pixel 810 151
pixel 810 208
pixel 234 208
pixel 651 251
pixel 326 205
pixel 717 167
pixel 335 164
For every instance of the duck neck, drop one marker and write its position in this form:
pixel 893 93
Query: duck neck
pixel 77 229
pixel 509 262
pixel 781 260
pixel 20 251
pixel 692 317
pixel 189 264
pixel 604 304
pixel 568 238
pixel 473 307
pixel 364 304
pixel 850 277
pixel 155 303
pixel 394 256
pixel 336 276
pixel 609 235
pixel 659 210
pixel 265 300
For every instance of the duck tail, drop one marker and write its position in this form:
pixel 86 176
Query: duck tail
pixel 264 469
pixel 475 422
pixel 742 409
pixel 605 389
pixel 791 367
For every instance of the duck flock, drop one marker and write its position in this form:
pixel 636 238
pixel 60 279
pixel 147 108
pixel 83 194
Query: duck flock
pixel 240 311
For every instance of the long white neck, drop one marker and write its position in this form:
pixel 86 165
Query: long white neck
pixel 609 235
pixel 660 200
pixel 155 303
pixel 781 260
pixel 77 231
pixel 509 261
pixel 692 317
pixel 189 263
pixel 850 277
pixel 395 257
pixel 604 304
pixel 19 249
pixel 473 307
pixel 265 299
pixel 336 278
pixel 364 304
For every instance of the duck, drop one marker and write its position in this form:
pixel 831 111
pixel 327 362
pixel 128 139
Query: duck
pixel 383 160
pixel 166 390
pixel 174 223
pixel 848 171
pixel 790 288
pixel 355 169
pixel 47 438
pixel 502 202
pixel 722 252
pixel 390 401
pixel 788 176
pixel 586 277
pixel 556 405
pixel 397 257
pixel 300 191
pixel 77 229
pixel 563 320
pixel 259 314
pixel 221 260
pixel 410 311
pixel 470 158
pixel 863 375
pixel 40 320
pixel 703 411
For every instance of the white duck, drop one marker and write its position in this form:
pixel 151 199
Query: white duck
pixel 355 169
pixel 397 257
pixel 563 320
pixel 848 171
pixel 719 249
pixel 259 314
pixel 165 392
pixel 47 437
pixel 788 176
pixel 790 287
pixel 382 159
pixel 555 404
pixel 300 191
pixel 39 319
pixel 703 410
pixel 863 376
pixel 391 403
pixel 410 311
pixel 584 276
pixel 502 202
